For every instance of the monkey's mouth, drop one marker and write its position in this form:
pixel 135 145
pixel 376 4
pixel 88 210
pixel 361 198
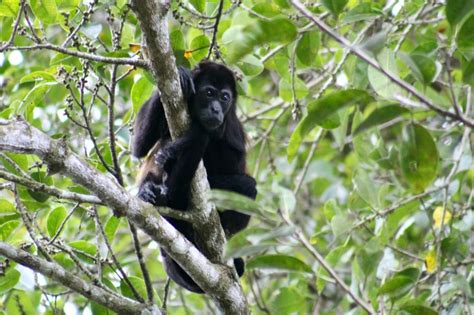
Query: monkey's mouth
pixel 212 123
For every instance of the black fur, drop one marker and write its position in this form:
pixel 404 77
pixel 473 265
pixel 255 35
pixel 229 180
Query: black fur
pixel 216 136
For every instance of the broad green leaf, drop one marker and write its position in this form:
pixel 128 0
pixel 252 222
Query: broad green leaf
pixel 67 5
pixel 231 200
pixel 38 76
pixel 200 5
pixel 366 187
pixel 250 250
pixel 242 40
pixel 139 286
pixel 335 6
pixel 320 110
pixel 45 10
pixel 288 301
pixel 55 219
pixel 29 301
pixel 424 68
pixel 419 157
pixel 111 226
pixel 369 261
pixel 379 116
pixel 281 262
pixel 468 73
pixel 85 247
pixel 456 10
pixel 307 48
pixel 42 178
pixel 141 92
pixel 9 8
pixel 250 66
pixel 362 12
pixel 465 38
pixel 177 40
pixel 199 47
pixel 268 10
pixel 6 229
pixel 379 82
pixel 286 92
pixel 418 309
pixel 9 280
pixel 396 286
pixel 34 96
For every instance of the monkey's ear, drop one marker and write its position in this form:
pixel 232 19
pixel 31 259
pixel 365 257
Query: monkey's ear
pixel 186 80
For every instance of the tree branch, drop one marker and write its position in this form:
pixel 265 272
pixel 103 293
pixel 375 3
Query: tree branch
pixel 215 279
pixel 98 58
pixel 52 270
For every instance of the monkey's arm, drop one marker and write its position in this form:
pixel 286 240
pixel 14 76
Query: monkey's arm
pixel 151 124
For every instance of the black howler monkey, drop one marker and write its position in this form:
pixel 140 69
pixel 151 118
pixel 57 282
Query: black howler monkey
pixel 216 136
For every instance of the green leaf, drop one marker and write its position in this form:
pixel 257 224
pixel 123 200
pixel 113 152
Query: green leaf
pixel 424 68
pixel 230 200
pixel 335 6
pixel 418 157
pixel 250 66
pixel 366 187
pixel 456 10
pixel 320 110
pixel 86 247
pixel 199 5
pixel 468 73
pixel 396 286
pixel 465 38
pixel 55 219
pixel 45 10
pixel 9 8
pixel 285 90
pixel 44 179
pixel 281 262
pixel 6 229
pixel 288 301
pixel 199 47
pixel 242 40
pixel 111 226
pixel 418 310
pixel 38 76
pixel 9 280
pixel 141 91
pixel 362 12
pixel 379 116
pixel 139 286
pixel 307 48
pixel 381 84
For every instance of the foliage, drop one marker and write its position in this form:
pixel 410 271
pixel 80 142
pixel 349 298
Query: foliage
pixel 349 163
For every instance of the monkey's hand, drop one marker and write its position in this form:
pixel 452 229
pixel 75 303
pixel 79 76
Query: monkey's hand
pixel 153 193
pixel 166 155
pixel 186 80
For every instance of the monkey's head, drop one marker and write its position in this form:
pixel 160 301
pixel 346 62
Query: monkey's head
pixel 215 95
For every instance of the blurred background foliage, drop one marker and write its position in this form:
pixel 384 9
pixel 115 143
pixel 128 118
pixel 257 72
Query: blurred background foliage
pixel 344 156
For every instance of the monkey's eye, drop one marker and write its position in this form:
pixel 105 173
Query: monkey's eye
pixel 210 93
pixel 225 97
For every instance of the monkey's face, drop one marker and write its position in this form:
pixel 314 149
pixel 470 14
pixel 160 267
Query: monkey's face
pixel 210 105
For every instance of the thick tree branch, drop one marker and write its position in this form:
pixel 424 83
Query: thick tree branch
pixel 52 270
pixel 217 280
